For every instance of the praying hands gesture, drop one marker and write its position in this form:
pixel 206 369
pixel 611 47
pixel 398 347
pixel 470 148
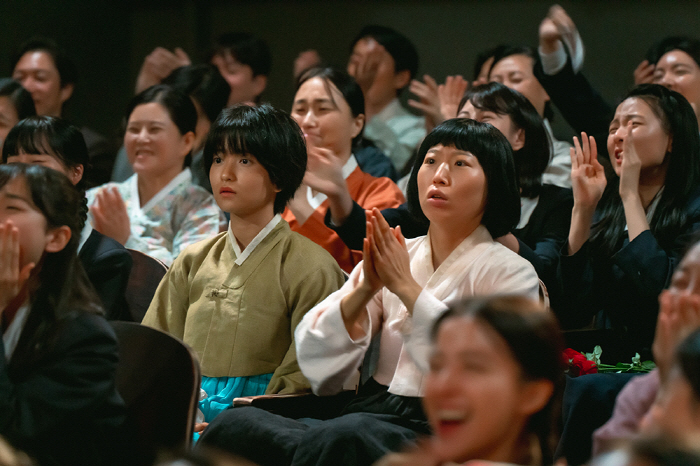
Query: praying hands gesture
pixel 385 264
pixel 588 183
pixel 12 277
pixel 109 215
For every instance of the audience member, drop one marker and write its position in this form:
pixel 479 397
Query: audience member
pixel 237 298
pixel 627 235
pixel 58 400
pixel 54 143
pixel 329 108
pixel 47 72
pixel 463 183
pixel 493 386
pixel 158 210
pixel 383 62
pixel 15 104
pixel 514 67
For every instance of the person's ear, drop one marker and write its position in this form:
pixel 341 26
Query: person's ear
pixel 57 238
pixel 76 174
pixel 669 148
pixel 66 92
pixel 187 142
pixel 259 84
pixel 534 396
pixel 401 79
pixel 357 125
pixel 519 140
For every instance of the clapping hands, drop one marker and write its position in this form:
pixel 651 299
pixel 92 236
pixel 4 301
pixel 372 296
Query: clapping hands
pixel 109 215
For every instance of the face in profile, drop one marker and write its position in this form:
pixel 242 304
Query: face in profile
pixel 476 398
pixel 153 142
pixel 516 72
pixel 325 117
pixel 502 122
pixel 678 71
pixel 8 117
pixel 452 187
pixel 37 73
pixel 651 141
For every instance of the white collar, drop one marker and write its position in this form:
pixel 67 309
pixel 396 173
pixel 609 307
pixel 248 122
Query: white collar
pixel 317 200
pixel 391 110
pixel 183 177
pixel 241 256
pixel 13 332
pixel 84 235
pixel 527 207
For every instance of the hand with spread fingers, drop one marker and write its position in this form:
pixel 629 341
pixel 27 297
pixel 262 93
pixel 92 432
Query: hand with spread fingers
pixel 12 276
pixel 644 73
pixel 450 95
pixel 679 315
pixel 324 173
pixel 158 65
pixel 429 102
pixel 364 68
pixel 587 174
pixel 109 215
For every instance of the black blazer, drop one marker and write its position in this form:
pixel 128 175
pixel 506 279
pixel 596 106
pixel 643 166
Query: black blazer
pixel 64 408
pixel 622 289
pixel 107 264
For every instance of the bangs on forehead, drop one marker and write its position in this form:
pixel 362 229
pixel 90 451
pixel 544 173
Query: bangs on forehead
pixel 458 138
pixel 30 142
pixel 489 102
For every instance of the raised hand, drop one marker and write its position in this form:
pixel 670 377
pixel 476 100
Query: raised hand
pixel 12 277
pixel 631 166
pixel 158 65
pixel 304 61
pixel 644 73
pixel 429 102
pixel 370 278
pixel 109 215
pixel 364 68
pixel 324 171
pixel 679 315
pixel 450 95
pixel 587 175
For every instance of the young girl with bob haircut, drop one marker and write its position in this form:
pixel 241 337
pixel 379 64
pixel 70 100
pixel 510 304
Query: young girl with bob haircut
pixel 237 297
pixel 158 210
pixel 59 355
pixel 55 143
pixel 329 108
pixel 627 235
pixel 463 182
pixel 494 384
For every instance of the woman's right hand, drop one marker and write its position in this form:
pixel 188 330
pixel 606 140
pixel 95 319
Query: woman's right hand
pixel 12 278
pixel 370 279
pixel 587 175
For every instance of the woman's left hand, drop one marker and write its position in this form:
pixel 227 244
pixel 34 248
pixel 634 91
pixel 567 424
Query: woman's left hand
pixel 631 167
pixel 12 278
pixel 391 260
pixel 324 171
pixel 110 216
pixel 429 102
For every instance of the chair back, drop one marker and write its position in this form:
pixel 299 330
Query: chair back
pixel 158 377
pixel 146 274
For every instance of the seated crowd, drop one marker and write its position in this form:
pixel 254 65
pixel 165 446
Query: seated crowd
pixel 360 283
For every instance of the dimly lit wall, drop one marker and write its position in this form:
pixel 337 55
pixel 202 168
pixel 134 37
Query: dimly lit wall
pixel 109 39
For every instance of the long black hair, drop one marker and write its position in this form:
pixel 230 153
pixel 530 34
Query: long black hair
pixel 495 155
pixel 60 287
pixel 682 176
pixel 536 344
pixel 532 159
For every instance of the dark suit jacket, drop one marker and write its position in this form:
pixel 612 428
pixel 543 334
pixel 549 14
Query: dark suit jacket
pixel 622 290
pixel 64 408
pixel 107 264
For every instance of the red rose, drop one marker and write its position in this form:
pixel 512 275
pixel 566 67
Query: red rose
pixel 578 364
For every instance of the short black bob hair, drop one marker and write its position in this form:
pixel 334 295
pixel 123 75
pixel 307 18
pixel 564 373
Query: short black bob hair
pixel 204 84
pixel 21 98
pixel 399 47
pixel 492 150
pixel 535 341
pixel 179 106
pixel 346 85
pixel 684 44
pixel 52 136
pixel 532 159
pixel 268 134
pixel 510 50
